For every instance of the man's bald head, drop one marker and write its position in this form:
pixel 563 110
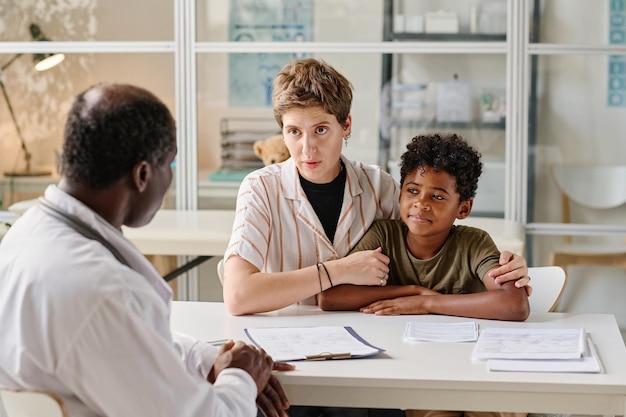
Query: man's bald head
pixel 112 127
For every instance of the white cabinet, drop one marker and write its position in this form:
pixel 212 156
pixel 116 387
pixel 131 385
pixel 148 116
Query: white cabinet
pixel 451 79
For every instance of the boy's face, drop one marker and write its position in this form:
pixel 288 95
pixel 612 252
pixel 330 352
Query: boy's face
pixel 429 202
pixel 314 139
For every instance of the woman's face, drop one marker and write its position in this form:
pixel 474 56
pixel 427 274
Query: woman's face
pixel 314 139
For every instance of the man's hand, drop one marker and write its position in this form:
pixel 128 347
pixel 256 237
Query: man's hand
pixel 513 268
pixel 272 401
pixel 254 361
pixel 271 397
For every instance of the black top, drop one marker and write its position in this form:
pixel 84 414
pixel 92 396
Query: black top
pixel 326 200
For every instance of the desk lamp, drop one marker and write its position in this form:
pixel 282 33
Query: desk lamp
pixel 42 62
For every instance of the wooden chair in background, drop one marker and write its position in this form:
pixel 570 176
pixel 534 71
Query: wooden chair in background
pixel 593 187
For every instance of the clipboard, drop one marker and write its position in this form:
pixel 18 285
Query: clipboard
pixel 315 343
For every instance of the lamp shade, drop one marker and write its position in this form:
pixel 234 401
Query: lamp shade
pixel 44 62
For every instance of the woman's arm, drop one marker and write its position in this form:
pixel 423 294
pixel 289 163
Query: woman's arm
pixel 249 291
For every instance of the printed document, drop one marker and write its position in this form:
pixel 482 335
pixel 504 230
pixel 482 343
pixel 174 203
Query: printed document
pixel 311 343
pixel 527 343
pixel 589 363
pixel 466 331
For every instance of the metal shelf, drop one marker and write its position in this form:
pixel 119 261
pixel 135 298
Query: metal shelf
pixel 449 37
pixel 433 124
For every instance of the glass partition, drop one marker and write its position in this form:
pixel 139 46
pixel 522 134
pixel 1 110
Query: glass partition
pixel 576 21
pixel 41 100
pixel 577 150
pixel 89 20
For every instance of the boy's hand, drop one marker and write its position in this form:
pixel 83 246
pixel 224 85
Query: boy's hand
pixel 513 268
pixel 414 304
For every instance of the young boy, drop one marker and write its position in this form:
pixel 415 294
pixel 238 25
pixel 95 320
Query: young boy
pixel 435 267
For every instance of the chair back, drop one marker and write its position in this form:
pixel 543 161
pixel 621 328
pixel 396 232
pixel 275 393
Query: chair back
pixel 220 270
pixel 548 283
pixel 595 187
pixel 26 403
pixel 599 187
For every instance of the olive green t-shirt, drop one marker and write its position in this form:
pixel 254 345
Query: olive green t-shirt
pixel 459 266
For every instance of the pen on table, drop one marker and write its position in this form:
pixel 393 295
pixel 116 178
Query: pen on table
pixel 324 356
pixel 217 342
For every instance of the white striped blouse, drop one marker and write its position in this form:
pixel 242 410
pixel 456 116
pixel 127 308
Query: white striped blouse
pixel 276 228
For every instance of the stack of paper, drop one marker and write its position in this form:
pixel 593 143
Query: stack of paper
pixel 537 350
pixel 466 331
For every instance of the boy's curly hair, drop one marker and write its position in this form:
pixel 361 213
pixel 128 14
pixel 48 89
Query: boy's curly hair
pixel 444 152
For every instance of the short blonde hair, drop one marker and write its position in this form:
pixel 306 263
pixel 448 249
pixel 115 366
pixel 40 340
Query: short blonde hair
pixel 310 83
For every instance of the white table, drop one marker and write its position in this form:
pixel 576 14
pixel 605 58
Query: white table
pixel 427 375
pixel 200 233
pixel 184 232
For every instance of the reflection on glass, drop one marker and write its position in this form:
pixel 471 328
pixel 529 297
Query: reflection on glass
pixel 571 21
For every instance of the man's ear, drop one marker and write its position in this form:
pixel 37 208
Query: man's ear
pixel 465 208
pixel 140 175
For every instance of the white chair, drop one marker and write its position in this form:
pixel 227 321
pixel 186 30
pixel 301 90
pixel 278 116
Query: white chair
pixel 6 220
pixel 26 403
pixel 20 207
pixel 593 187
pixel 220 270
pixel 548 283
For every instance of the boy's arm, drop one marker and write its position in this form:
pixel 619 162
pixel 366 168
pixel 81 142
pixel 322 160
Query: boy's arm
pixel 499 302
pixel 353 297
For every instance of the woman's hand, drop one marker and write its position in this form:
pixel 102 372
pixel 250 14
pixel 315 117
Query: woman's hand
pixel 369 267
pixel 513 268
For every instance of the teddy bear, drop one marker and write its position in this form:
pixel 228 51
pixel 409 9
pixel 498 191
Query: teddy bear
pixel 271 150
